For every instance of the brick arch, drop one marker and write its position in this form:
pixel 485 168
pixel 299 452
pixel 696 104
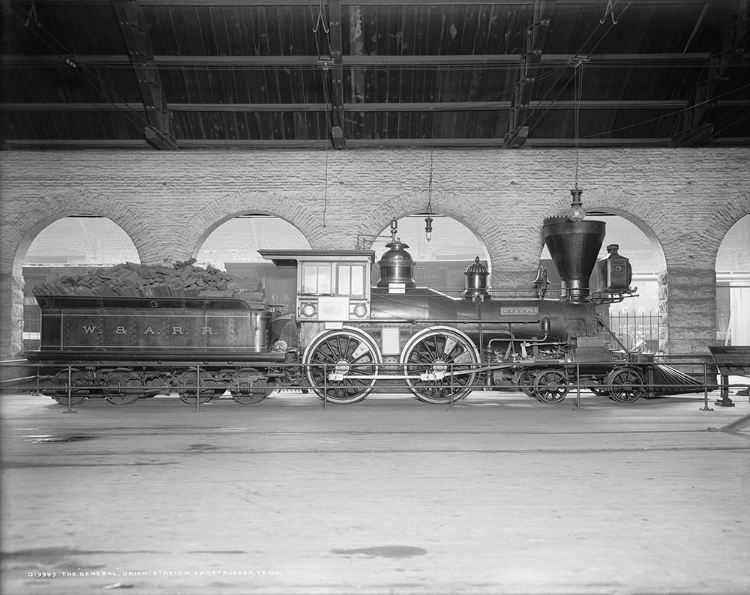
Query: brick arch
pixel 26 226
pixel 726 217
pixel 22 227
pixel 207 219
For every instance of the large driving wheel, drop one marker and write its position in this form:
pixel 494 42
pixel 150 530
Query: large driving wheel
pixel 438 351
pixel 551 386
pixel 347 351
pixel 124 387
pixel 625 385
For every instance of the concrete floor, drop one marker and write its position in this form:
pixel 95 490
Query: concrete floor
pixel 501 495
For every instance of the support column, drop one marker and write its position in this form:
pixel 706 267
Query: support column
pixel 11 316
pixel 688 298
pixel 508 283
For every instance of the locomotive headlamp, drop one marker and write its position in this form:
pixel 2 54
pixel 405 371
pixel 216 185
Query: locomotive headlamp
pixel 576 211
pixel 308 310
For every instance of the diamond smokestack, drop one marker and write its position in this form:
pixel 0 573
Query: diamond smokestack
pixel 574 247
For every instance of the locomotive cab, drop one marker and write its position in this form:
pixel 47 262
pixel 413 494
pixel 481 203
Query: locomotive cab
pixel 333 287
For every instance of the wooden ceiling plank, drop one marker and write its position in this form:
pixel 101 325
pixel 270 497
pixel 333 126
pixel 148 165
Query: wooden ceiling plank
pixel 696 130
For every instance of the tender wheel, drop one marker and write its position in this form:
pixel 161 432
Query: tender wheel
pixel 440 350
pixel 346 351
pixel 525 381
pixel 187 383
pixel 77 395
pixel 125 387
pixel 550 386
pixel 624 385
pixel 249 387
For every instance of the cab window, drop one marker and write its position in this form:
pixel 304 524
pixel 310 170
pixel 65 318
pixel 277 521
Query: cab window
pixel 351 280
pixel 316 278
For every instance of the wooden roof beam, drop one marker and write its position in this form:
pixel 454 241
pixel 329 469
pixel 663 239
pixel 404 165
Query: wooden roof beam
pixel 447 106
pixel 364 61
pixel 138 43
pixel 536 32
pixel 337 78
pixel 497 143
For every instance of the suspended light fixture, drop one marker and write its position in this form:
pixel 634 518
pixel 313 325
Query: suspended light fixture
pixel 576 211
pixel 428 220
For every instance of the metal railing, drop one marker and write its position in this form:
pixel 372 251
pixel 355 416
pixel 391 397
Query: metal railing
pixel 70 387
pixel 639 331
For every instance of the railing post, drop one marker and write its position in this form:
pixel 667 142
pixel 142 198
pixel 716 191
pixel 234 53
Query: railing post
pixel 70 391
pixel 198 389
pixel 705 389
pixel 38 391
pixel 450 387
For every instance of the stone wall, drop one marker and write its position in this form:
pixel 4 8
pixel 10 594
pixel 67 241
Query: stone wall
pixel 685 200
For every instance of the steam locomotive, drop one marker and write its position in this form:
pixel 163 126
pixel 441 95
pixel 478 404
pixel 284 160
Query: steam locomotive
pixel 346 338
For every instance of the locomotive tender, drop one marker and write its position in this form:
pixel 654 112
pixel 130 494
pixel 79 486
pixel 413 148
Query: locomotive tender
pixel 347 338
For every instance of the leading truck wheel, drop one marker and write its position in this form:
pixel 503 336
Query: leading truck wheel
pixel 551 386
pixel 340 365
pixel 624 385
pixel 443 357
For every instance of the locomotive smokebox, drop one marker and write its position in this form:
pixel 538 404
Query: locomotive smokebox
pixel 574 247
pixel 396 267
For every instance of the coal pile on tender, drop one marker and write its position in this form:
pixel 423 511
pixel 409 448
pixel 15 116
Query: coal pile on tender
pixel 181 279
